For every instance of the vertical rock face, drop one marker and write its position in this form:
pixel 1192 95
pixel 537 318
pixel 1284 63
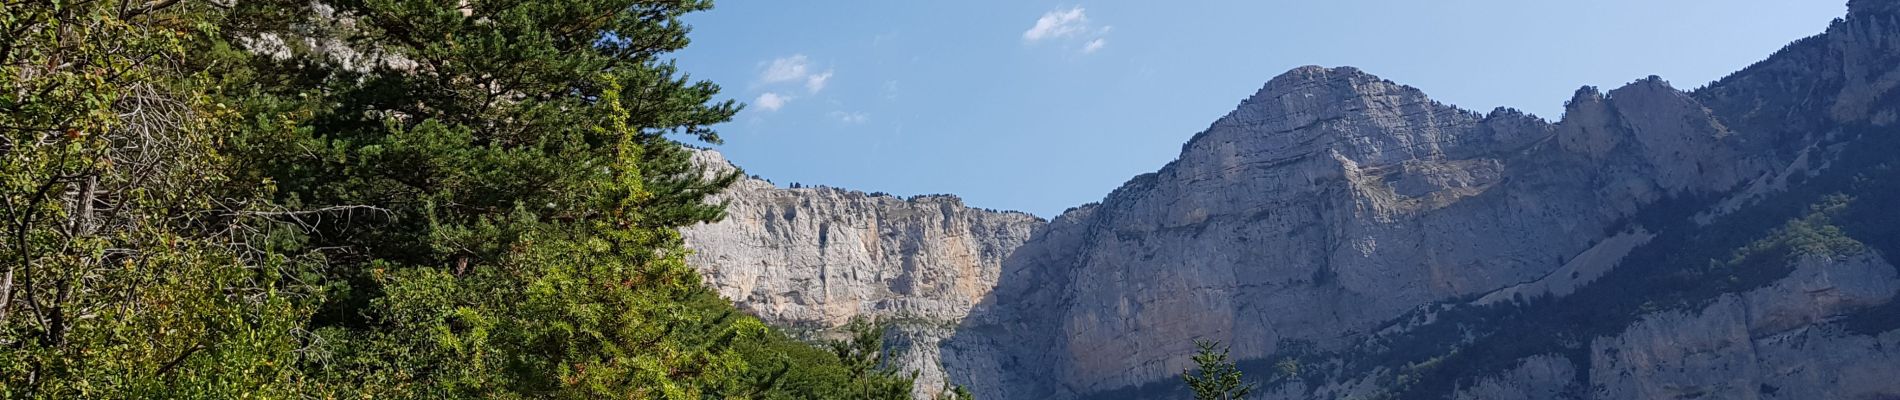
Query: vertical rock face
pixel 821 256
pixel 1777 342
pixel 1296 217
pixel 1772 342
pixel 1363 233
pixel 1544 377
pixel 1329 204
pixel 814 258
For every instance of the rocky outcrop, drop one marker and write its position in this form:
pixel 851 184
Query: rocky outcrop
pixel 1542 377
pixel 1783 341
pixel 1332 202
pixel 1337 213
pixel 1296 217
pixel 815 258
pixel 1769 343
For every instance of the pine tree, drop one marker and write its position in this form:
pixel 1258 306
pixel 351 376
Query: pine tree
pixel 954 392
pixel 862 353
pixel 506 190
pixel 1217 377
pixel 370 198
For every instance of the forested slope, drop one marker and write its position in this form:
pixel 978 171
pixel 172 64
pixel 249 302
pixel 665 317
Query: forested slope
pixel 370 199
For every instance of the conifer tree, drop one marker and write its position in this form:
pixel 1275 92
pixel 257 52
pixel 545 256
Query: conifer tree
pixel 1217 377
pixel 863 355
pixel 525 188
pixel 368 198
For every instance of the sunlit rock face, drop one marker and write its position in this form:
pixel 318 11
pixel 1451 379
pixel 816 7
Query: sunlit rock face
pixel 1329 204
pixel 820 256
pixel 811 259
pixel 1336 213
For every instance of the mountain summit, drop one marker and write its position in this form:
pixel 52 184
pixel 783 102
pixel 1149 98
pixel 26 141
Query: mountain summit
pixel 1352 238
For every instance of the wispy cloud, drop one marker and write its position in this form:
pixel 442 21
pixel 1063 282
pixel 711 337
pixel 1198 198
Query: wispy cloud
pixel 772 101
pixel 1094 45
pixel 795 68
pixel 1071 26
pixel 816 82
pixel 1056 24
pixel 850 117
pixel 785 69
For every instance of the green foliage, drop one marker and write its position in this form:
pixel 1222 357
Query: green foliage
pixel 129 270
pixel 848 368
pixel 863 357
pixel 1288 366
pixel 1217 377
pixel 953 392
pixel 507 191
pixel 1813 234
pixel 372 199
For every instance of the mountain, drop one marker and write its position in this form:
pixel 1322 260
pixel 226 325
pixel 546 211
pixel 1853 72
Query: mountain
pixel 812 259
pixel 1352 238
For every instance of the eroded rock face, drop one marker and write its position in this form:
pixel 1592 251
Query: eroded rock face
pixel 1544 377
pixel 1773 342
pixel 814 258
pixel 1295 217
pixel 1778 342
pixel 1333 210
pixel 1331 203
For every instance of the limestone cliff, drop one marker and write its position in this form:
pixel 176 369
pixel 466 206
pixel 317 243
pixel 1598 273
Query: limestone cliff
pixel 1331 203
pixel 814 258
pixel 1350 237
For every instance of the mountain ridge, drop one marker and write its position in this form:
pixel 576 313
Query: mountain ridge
pixel 1334 212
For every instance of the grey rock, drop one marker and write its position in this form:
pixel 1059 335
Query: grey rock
pixel 1327 205
pixel 1333 208
pixel 1544 377
pixel 815 258
pixel 1772 342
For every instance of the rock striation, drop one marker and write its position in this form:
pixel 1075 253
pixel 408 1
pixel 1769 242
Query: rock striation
pixel 1773 342
pixel 813 259
pixel 1363 234
pixel 1331 203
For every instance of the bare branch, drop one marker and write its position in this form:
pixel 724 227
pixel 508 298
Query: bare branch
pixel 148 8
pixel 309 219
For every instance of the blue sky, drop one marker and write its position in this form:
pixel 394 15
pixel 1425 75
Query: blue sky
pixel 1043 105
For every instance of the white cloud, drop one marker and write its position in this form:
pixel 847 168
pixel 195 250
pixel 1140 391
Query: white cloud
pixel 1058 23
pixel 1094 45
pixel 1069 26
pixel 817 82
pixel 785 69
pixel 772 101
pixel 795 68
pixel 850 117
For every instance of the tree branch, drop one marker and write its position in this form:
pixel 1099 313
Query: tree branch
pixel 149 8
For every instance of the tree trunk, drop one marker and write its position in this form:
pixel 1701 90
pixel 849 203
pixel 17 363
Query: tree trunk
pixel 6 294
pixel 82 220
